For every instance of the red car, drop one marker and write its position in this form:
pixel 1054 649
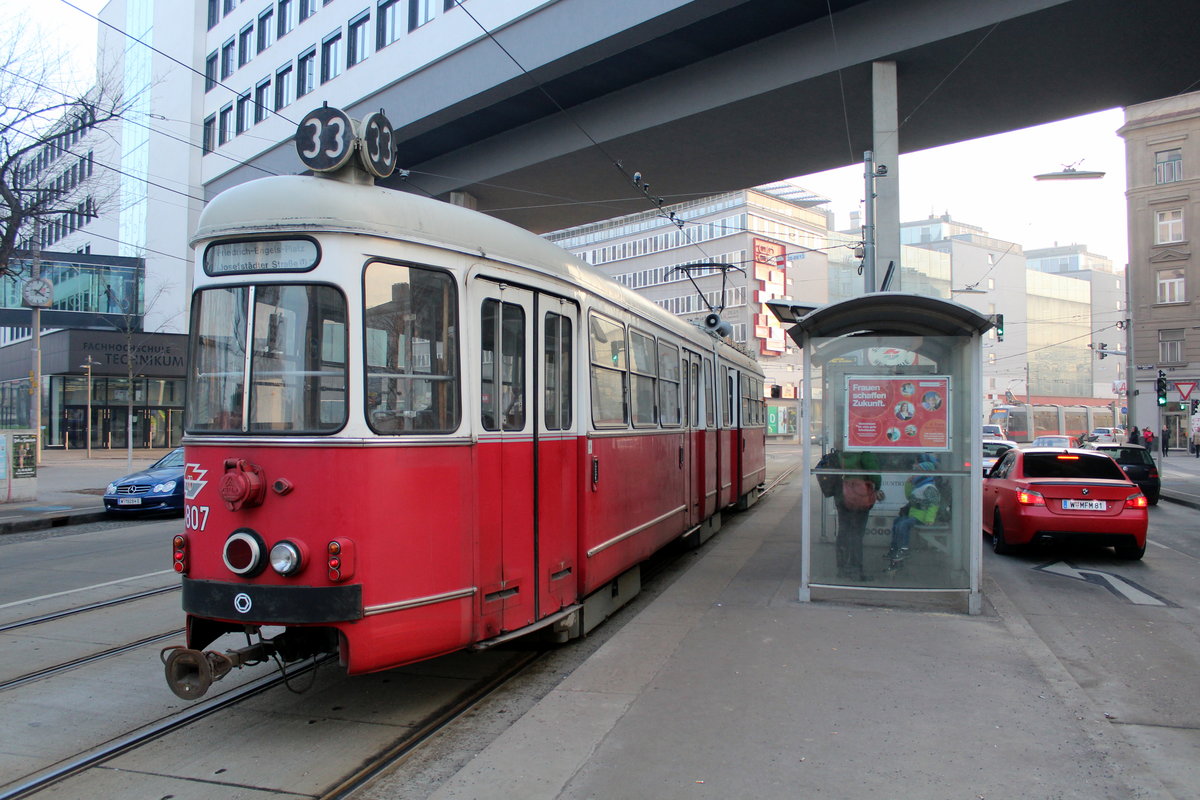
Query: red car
pixel 1063 494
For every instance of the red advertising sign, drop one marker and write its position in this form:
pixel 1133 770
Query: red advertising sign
pixel 898 413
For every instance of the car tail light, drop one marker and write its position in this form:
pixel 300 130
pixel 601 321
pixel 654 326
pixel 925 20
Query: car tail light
pixel 339 559
pixel 1137 501
pixel 179 557
pixel 1028 497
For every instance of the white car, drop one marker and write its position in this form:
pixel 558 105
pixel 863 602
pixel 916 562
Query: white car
pixel 994 450
pixel 993 432
pixel 1054 440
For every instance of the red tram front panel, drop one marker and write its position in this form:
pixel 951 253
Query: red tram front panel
pixel 400 507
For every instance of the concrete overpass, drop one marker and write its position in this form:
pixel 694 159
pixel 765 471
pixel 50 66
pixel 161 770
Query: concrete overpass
pixel 703 96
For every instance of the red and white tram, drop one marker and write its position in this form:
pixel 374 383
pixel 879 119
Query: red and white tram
pixel 412 429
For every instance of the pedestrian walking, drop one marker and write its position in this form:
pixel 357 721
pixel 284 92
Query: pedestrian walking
pixel 1196 443
pixel 1148 439
pixel 1135 436
pixel 1165 440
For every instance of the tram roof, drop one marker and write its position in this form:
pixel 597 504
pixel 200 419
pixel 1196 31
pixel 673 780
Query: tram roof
pixel 317 203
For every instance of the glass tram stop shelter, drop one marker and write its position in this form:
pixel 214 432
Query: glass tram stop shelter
pixel 892 498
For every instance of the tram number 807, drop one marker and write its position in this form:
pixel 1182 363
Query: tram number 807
pixel 195 517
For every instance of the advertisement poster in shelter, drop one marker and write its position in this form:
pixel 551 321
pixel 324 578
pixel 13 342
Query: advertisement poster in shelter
pixel 897 413
pixel 24 455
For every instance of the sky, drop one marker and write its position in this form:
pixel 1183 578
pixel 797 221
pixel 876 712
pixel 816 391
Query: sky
pixel 985 182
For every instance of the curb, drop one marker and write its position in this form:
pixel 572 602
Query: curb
pixel 1189 500
pixel 51 521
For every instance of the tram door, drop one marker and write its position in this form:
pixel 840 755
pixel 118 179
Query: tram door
pixel 693 438
pixel 526 461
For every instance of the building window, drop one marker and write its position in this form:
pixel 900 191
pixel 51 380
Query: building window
pixel 210 130
pixel 266 29
pixel 214 13
pixel 356 39
pixel 387 23
pixel 1171 286
pixel 283 87
pixel 243 113
pixel 331 57
pixel 287 16
pixel 245 45
pixel 225 125
pixel 262 100
pixel 1169 226
pixel 420 12
pixel 307 8
pixel 306 73
pixel 227 52
pixel 230 5
pixel 1170 346
pixel 1168 166
pixel 210 72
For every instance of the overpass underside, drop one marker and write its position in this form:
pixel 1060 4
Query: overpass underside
pixel 713 95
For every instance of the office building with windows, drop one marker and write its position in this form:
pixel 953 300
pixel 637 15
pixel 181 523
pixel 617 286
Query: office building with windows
pixel 1162 154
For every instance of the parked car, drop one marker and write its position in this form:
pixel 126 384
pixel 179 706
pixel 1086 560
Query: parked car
pixel 991 431
pixel 1138 465
pixel 158 488
pixel 1103 435
pixel 1049 494
pixel 1053 440
pixel 993 449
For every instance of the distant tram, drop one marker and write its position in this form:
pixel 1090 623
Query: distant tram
pixel 412 428
pixel 1049 419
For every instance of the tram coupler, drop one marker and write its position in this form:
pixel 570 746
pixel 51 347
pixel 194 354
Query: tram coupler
pixel 190 672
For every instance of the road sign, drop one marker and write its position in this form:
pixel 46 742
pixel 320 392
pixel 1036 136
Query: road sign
pixel 1185 389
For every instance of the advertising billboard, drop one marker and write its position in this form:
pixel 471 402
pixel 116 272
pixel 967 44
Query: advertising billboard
pixel 897 413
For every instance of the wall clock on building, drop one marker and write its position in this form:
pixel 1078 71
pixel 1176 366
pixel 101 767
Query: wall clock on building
pixel 38 293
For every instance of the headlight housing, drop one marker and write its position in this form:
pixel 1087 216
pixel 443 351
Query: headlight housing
pixel 286 558
pixel 164 488
pixel 112 489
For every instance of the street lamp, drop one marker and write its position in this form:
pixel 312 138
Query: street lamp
pixel 88 428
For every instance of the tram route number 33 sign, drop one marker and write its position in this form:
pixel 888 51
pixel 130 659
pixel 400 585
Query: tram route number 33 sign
pixel 897 413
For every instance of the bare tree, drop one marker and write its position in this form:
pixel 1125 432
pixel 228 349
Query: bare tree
pixel 39 123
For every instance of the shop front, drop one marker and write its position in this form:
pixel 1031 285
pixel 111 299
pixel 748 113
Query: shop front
pixel 102 386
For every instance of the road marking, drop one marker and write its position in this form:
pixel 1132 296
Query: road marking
pixel 1119 586
pixel 86 588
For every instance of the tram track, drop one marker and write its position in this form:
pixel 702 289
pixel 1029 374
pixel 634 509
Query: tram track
pixel 102 604
pixel 131 741
pixel 84 661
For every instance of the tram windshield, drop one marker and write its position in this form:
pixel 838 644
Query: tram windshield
pixel 295 364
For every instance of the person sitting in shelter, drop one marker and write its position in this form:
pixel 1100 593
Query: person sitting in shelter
pixel 924 501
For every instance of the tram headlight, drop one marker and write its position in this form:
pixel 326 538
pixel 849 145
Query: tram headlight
pixel 286 558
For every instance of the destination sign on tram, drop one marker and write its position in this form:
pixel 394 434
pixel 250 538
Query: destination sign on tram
pixel 261 255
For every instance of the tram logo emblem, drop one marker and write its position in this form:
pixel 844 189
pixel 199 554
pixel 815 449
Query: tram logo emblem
pixel 242 602
pixel 193 481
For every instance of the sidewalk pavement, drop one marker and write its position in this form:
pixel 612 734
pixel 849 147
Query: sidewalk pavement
pixel 727 686
pixel 70 488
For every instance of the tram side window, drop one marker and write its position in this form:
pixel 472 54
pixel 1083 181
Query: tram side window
pixel 729 378
pixel 218 360
pixel 502 380
pixel 668 385
pixel 557 340
pixel 609 409
pixel 411 349
pixel 694 392
pixel 642 369
pixel 710 415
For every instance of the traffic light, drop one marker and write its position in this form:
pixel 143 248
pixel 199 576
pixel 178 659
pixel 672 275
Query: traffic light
pixel 1195 406
pixel 1103 349
pixel 999 327
pixel 1162 388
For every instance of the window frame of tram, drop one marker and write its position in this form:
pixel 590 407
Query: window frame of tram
pixel 938 556
pixel 157 412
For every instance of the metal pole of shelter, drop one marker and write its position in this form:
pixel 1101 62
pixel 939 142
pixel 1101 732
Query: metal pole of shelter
pixel 35 389
pixel 869 284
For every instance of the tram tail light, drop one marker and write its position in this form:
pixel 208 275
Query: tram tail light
pixel 339 558
pixel 179 556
